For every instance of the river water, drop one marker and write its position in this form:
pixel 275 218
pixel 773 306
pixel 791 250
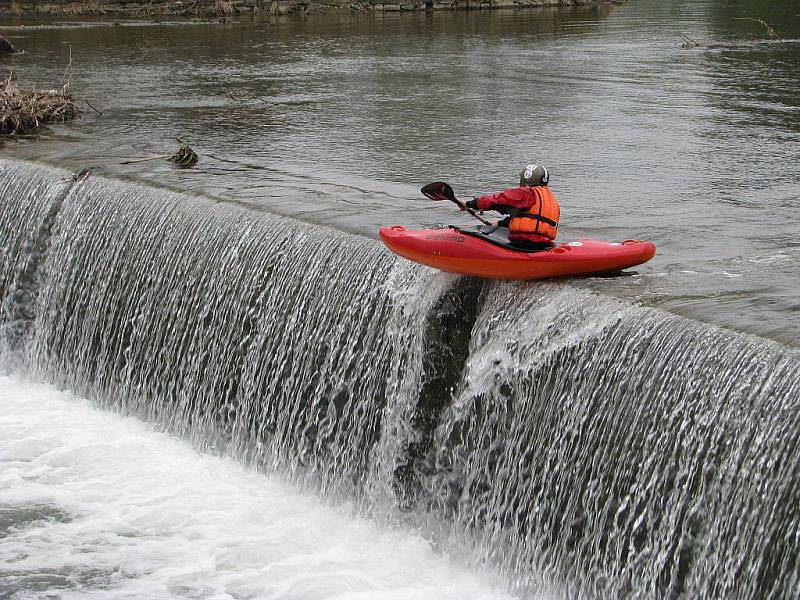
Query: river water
pixel 420 435
pixel 340 120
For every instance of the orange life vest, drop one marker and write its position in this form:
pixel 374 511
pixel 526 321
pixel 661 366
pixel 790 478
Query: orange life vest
pixel 541 218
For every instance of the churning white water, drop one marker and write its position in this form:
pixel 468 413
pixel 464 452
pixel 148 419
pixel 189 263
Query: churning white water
pixel 97 505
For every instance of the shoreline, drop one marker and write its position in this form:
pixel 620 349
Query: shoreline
pixel 221 8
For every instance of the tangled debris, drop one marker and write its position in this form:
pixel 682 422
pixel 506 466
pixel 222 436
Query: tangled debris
pixel 23 109
pixel 184 157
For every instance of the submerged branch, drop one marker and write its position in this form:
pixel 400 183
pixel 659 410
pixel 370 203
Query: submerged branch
pixel 99 112
pixel 138 160
pixel 689 43
pixel 7 47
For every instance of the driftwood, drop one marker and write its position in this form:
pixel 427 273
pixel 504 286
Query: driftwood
pixel 184 157
pixel 23 109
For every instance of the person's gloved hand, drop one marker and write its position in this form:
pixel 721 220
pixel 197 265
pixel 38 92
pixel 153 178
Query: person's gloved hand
pixel 473 204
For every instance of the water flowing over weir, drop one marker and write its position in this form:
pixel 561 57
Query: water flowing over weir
pixel 575 443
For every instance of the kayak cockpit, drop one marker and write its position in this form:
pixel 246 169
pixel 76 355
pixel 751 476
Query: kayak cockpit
pixel 499 237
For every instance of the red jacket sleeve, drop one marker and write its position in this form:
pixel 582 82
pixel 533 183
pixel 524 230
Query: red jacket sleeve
pixel 518 197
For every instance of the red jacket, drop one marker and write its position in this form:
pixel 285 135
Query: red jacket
pixel 514 201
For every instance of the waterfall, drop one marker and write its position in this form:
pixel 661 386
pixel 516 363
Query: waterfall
pixel 572 441
pixel 658 454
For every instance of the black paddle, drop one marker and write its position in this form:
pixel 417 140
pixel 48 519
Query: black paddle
pixel 439 190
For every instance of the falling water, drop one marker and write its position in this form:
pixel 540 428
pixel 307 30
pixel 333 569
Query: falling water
pixel 655 454
pixel 570 441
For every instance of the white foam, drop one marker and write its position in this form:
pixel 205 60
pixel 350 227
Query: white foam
pixel 140 514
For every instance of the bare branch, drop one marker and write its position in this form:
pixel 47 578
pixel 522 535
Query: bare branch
pixel 99 112
pixel 770 30
pixel 67 72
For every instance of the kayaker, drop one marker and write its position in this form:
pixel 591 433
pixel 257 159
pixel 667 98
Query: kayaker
pixel 532 209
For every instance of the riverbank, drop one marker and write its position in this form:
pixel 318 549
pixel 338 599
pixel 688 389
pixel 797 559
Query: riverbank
pixel 142 8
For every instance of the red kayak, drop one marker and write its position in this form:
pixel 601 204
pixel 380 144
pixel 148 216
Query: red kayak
pixel 486 252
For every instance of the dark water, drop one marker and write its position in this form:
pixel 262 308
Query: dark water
pixel 340 119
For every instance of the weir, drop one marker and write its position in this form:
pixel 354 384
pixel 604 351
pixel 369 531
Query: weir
pixel 574 442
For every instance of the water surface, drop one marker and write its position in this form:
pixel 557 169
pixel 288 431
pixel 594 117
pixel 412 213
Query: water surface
pixel 339 119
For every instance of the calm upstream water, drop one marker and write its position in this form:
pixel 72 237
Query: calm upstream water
pixel 411 434
pixel 340 120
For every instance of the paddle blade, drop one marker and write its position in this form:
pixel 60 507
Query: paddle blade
pixel 439 190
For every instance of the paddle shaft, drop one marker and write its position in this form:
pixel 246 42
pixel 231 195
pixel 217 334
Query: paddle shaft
pixel 463 206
